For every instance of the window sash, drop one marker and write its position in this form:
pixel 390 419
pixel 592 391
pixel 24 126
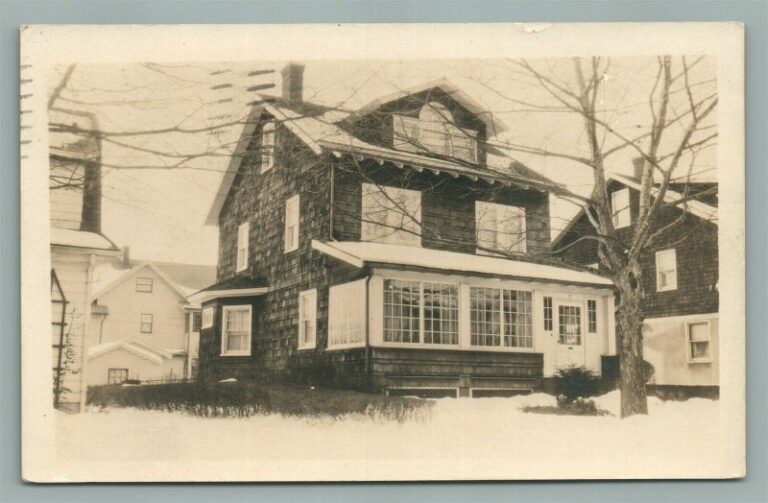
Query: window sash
pixel 236 331
pixel 499 228
pixel 391 215
pixel 292 224
pixel 548 313
pixel 346 314
pixel 592 316
pixel 243 235
pixel 435 132
pixel 666 270
pixel 267 146
pixel 307 319
pixel 117 376
pixel 620 208
pixel 698 335
pixel 569 324
pixel 146 323
pixel 144 285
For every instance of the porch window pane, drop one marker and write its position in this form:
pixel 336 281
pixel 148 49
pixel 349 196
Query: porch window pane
pixel 346 314
pixel 548 313
pixel 441 314
pixel 485 316
pixel 401 311
pixel 569 320
pixel 518 320
pixel 592 316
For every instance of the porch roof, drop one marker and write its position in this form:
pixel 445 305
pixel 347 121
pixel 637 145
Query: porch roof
pixel 239 286
pixel 359 254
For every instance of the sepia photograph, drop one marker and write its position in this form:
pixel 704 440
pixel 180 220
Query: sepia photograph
pixel 382 252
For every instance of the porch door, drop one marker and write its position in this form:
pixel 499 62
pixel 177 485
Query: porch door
pixel 570 333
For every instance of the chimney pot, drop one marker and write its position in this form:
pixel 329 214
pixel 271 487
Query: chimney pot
pixel 638 164
pixel 293 83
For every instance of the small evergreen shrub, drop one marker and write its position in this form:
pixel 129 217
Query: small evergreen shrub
pixel 575 382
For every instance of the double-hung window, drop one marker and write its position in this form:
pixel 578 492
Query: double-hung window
pixel 267 146
pixel 291 239
pixel 620 208
pixel 666 270
pixel 207 319
pixel 236 331
pixel 500 228
pixel 242 246
pixel 592 316
pixel 307 319
pixel 391 215
pixel 500 317
pixel 146 323
pixel 698 339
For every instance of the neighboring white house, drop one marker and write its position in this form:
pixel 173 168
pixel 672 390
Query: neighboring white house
pixel 142 325
pixel 78 248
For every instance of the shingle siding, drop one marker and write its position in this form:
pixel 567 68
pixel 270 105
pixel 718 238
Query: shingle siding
pixel 695 244
pixel 448 222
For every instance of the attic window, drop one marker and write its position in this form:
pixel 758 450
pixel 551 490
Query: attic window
pixel 267 146
pixel 434 131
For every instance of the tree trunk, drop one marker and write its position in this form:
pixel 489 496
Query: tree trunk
pixel 631 363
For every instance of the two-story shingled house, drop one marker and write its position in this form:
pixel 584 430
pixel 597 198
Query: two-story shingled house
pixel 379 251
pixel 680 276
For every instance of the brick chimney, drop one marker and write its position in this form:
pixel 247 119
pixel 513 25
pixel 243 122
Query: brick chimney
pixel 127 257
pixel 293 83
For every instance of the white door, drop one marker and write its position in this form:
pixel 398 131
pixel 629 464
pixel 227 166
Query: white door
pixel 569 332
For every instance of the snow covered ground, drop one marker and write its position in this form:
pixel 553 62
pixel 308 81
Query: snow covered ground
pixel 464 438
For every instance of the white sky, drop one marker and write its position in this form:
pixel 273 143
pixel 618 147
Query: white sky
pixel 160 213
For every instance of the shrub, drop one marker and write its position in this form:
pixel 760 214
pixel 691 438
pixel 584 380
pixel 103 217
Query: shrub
pixel 577 407
pixel 575 382
pixel 244 399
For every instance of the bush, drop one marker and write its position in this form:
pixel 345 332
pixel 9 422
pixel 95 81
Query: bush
pixel 244 399
pixel 576 382
pixel 577 407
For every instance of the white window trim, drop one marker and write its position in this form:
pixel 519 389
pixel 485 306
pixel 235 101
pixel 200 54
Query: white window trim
pixel 244 229
pixel 523 244
pixel 151 323
pixel 371 189
pixel 296 203
pixel 659 254
pixel 465 336
pixel 362 306
pixel 689 356
pixel 312 295
pixel 148 281
pixel 206 320
pixel 617 224
pixel 270 125
pixel 244 352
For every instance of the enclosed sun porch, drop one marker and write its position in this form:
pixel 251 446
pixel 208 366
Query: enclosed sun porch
pixel 441 323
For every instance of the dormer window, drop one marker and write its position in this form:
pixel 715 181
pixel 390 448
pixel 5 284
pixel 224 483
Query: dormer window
pixel 435 132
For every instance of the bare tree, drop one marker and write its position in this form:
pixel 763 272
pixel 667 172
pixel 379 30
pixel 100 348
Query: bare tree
pixel 680 111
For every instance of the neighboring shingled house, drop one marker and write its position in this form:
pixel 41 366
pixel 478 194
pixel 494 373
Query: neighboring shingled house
pixel 142 325
pixel 680 275
pixel 381 251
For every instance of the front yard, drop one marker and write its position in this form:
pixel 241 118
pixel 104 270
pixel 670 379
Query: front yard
pixel 489 438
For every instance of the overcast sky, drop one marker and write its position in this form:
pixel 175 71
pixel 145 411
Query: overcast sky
pixel 160 213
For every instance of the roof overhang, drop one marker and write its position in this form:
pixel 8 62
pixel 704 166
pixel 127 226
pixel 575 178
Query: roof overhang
pixel 208 295
pixel 359 254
